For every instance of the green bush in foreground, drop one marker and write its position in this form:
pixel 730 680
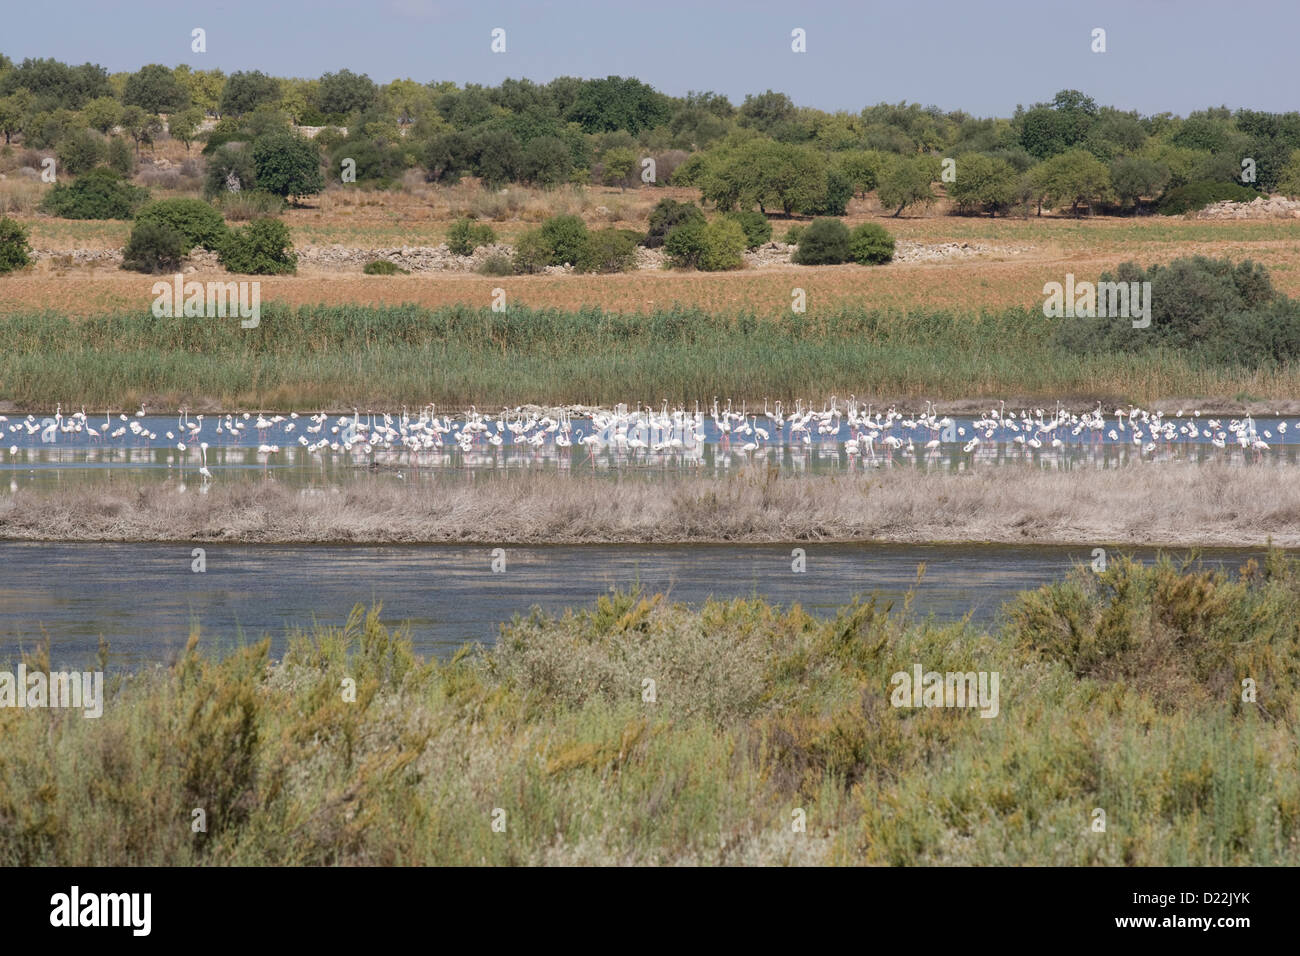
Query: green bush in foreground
pixel 15 253
pixel 197 222
pixel 1120 690
pixel 1223 313
pixel 100 193
pixel 263 247
pixel 710 247
pixel 565 236
pixel 608 250
pixel 154 247
pixel 666 216
pixel 871 244
pixel 755 226
pixel 824 242
pixel 465 236
pixel 532 253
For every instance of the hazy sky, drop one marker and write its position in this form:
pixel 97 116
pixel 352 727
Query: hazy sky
pixel 983 57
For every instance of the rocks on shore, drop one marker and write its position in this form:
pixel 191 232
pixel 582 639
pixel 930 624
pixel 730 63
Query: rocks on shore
pixel 440 259
pixel 1272 207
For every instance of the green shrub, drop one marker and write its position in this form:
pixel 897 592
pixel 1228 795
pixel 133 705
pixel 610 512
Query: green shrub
pixel 824 242
pixel 14 250
pixel 755 226
pixel 198 223
pixel 793 233
pixel 465 236
pixel 263 247
pixel 100 193
pixel 1224 313
pixel 1196 196
pixel 497 264
pixel 724 246
pixel 154 246
pixel 566 236
pixel 119 156
pixel 80 151
pixel 871 244
pixel 666 215
pixel 382 267
pixel 532 253
pixel 685 243
pixel 608 250
pixel 710 247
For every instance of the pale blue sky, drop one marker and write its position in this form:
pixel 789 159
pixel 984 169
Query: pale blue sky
pixel 983 57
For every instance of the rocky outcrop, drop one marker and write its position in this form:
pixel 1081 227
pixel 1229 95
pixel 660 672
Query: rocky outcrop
pixel 440 259
pixel 1273 207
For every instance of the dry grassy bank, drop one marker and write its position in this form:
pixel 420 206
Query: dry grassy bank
pixel 1167 504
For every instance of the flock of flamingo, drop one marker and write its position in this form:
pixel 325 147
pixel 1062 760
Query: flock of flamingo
pixel 645 431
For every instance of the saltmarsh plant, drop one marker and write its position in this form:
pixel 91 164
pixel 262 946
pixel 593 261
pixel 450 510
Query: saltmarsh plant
pixel 498 264
pixel 532 253
pixel 754 709
pixel 249 204
pixel 561 240
pixel 309 355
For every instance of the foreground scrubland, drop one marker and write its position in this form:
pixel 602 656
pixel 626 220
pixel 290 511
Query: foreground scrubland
pixel 1121 692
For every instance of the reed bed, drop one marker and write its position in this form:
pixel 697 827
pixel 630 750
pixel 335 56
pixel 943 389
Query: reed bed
pixel 1119 692
pixel 456 356
pixel 1173 504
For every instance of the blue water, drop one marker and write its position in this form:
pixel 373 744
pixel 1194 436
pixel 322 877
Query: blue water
pixel 142 598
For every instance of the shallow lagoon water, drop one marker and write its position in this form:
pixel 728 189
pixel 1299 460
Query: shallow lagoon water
pixel 142 598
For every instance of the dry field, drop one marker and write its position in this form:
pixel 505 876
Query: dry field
pixel 1023 254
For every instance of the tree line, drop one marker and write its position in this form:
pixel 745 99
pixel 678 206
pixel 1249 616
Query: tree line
pixel 767 153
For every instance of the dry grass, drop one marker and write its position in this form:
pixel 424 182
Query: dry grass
pixel 20 197
pixel 1026 253
pixel 1174 505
